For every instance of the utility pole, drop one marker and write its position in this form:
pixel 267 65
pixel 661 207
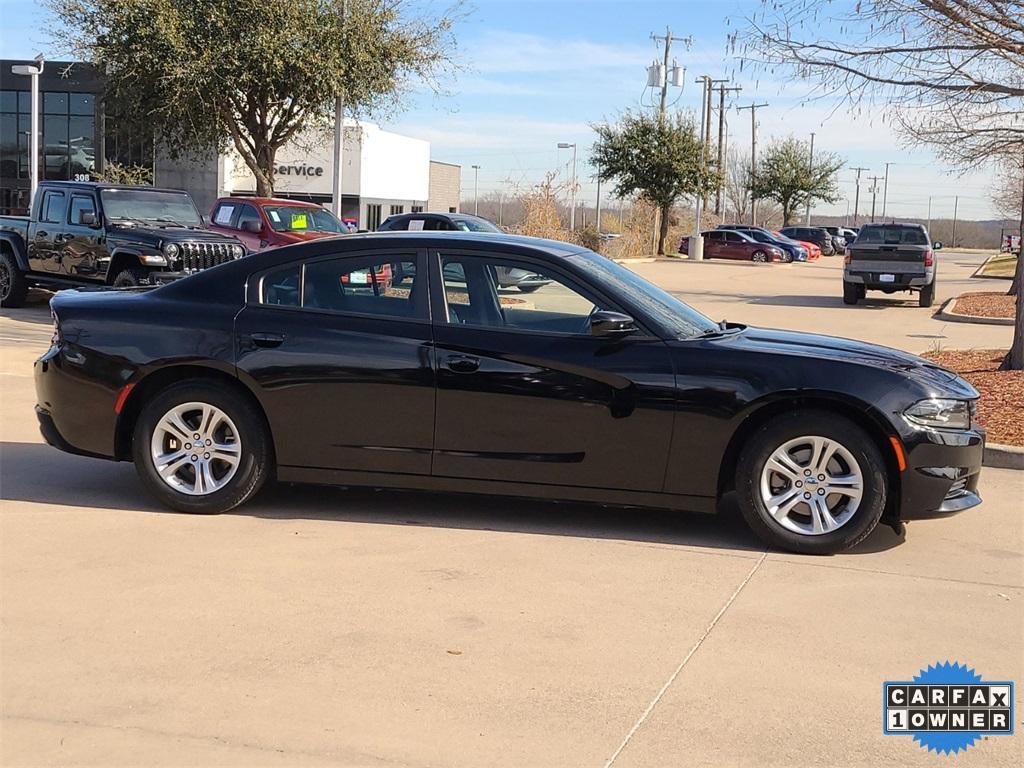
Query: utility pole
pixel 856 197
pixel 721 144
pixel 929 227
pixel 956 204
pixel 753 158
pixel 885 189
pixel 339 139
pixel 810 166
pixel 476 190
pixel 677 79
pixel 874 193
pixel 501 201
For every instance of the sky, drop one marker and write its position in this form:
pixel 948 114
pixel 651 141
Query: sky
pixel 534 73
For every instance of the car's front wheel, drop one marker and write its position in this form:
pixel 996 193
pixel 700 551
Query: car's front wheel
pixel 200 447
pixel 811 482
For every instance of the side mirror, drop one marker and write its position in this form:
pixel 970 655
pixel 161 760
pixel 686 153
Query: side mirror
pixel 607 324
pixel 937 245
pixel 87 218
pixel 252 226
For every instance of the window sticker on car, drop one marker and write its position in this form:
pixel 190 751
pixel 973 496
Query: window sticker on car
pixel 416 225
pixel 274 216
pixel 224 214
pixel 360 277
pixel 299 221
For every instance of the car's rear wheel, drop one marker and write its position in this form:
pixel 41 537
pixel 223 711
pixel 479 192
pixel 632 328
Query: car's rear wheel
pixel 13 285
pixel 926 296
pixel 811 482
pixel 851 293
pixel 200 447
pixel 759 256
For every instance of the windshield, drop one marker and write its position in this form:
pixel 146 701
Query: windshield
pixel 299 218
pixel 150 205
pixel 892 236
pixel 475 225
pixel 680 319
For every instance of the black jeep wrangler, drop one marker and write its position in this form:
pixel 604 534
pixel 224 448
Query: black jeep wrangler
pixel 90 233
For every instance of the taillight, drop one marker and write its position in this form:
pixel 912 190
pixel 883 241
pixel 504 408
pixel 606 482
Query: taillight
pixel 55 337
pixel 928 260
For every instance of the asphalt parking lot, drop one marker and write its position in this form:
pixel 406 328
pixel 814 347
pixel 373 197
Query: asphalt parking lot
pixel 360 628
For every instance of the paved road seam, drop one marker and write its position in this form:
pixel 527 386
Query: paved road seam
pixel 696 646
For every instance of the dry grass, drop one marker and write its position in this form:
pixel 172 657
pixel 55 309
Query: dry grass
pixel 1001 407
pixel 1002 265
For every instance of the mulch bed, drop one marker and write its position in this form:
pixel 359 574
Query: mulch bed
pixel 985 305
pixel 1001 407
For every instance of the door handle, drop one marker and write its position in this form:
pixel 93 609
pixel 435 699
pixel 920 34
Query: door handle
pixel 267 340
pixel 462 363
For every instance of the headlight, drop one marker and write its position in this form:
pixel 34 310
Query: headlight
pixel 237 251
pixel 940 413
pixel 153 259
pixel 171 250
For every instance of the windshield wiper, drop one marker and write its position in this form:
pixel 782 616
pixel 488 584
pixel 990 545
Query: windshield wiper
pixel 722 329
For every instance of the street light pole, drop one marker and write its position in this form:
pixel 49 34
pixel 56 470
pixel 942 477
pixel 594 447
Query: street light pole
pixel 810 166
pixel 33 141
pixel 572 189
pixel 476 190
pixel 598 215
pixel 339 138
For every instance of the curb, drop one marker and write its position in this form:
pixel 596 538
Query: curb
pixel 948 312
pixel 1003 456
pixel 979 270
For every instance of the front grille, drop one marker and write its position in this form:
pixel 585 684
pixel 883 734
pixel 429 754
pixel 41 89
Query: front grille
pixel 197 256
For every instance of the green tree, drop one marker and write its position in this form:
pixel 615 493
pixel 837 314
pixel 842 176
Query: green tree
pixel 660 159
pixel 787 174
pixel 250 73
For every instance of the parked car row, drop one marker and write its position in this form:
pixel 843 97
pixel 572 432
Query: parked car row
pixel 91 233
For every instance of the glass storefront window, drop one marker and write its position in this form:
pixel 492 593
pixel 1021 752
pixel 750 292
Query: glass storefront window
pixel 82 104
pixel 81 145
pixel 55 103
pixel 8 101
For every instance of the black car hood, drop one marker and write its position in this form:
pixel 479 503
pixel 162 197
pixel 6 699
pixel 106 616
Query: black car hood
pixel 167 232
pixel 850 351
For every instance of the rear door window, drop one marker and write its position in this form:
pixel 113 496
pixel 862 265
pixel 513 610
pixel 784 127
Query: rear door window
pixel 365 285
pixel 53 207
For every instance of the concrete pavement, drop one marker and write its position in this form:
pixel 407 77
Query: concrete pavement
pixel 359 628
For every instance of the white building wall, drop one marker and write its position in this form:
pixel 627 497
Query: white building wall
pixel 393 167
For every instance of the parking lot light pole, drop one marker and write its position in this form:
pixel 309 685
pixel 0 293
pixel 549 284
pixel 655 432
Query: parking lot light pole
pixel 476 189
pixel 572 189
pixel 885 189
pixel 856 196
pixel 810 167
pixel 32 71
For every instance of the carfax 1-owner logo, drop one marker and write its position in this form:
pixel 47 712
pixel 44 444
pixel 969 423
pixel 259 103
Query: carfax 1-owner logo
pixel 947 707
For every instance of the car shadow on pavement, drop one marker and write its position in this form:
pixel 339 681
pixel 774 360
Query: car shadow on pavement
pixel 37 473
pixel 36 309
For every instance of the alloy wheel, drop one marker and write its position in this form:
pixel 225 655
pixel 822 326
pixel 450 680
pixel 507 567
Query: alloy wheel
pixel 811 485
pixel 196 448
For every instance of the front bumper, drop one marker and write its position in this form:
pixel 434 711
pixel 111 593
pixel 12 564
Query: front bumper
pixel 943 468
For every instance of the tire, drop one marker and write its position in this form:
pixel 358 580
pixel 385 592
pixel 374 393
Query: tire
pixel 759 256
pixel 850 520
pixel 241 426
pixel 528 288
pixel 851 292
pixel 13 284
pixel 926 296
pixel 130 278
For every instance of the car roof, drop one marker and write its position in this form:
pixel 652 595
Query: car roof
pixel 267 201
pixel 91 185
pixel 907 225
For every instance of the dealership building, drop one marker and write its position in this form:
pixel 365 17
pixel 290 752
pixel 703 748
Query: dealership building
pixel 383 173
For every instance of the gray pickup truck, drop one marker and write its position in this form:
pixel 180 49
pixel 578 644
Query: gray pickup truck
pixel 890 258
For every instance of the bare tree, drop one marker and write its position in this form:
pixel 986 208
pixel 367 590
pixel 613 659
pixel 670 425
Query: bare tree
pixel 737 183
pixel 950 73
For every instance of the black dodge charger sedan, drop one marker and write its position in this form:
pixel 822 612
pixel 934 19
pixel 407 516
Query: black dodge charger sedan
pixel 305 364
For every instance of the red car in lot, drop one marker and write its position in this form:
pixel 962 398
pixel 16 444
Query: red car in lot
pixel 267 222
pixel 727 244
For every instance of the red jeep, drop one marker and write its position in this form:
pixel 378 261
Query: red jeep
pixel 267 222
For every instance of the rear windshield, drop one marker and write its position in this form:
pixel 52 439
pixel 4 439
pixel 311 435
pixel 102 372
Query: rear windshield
pixel 892 236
